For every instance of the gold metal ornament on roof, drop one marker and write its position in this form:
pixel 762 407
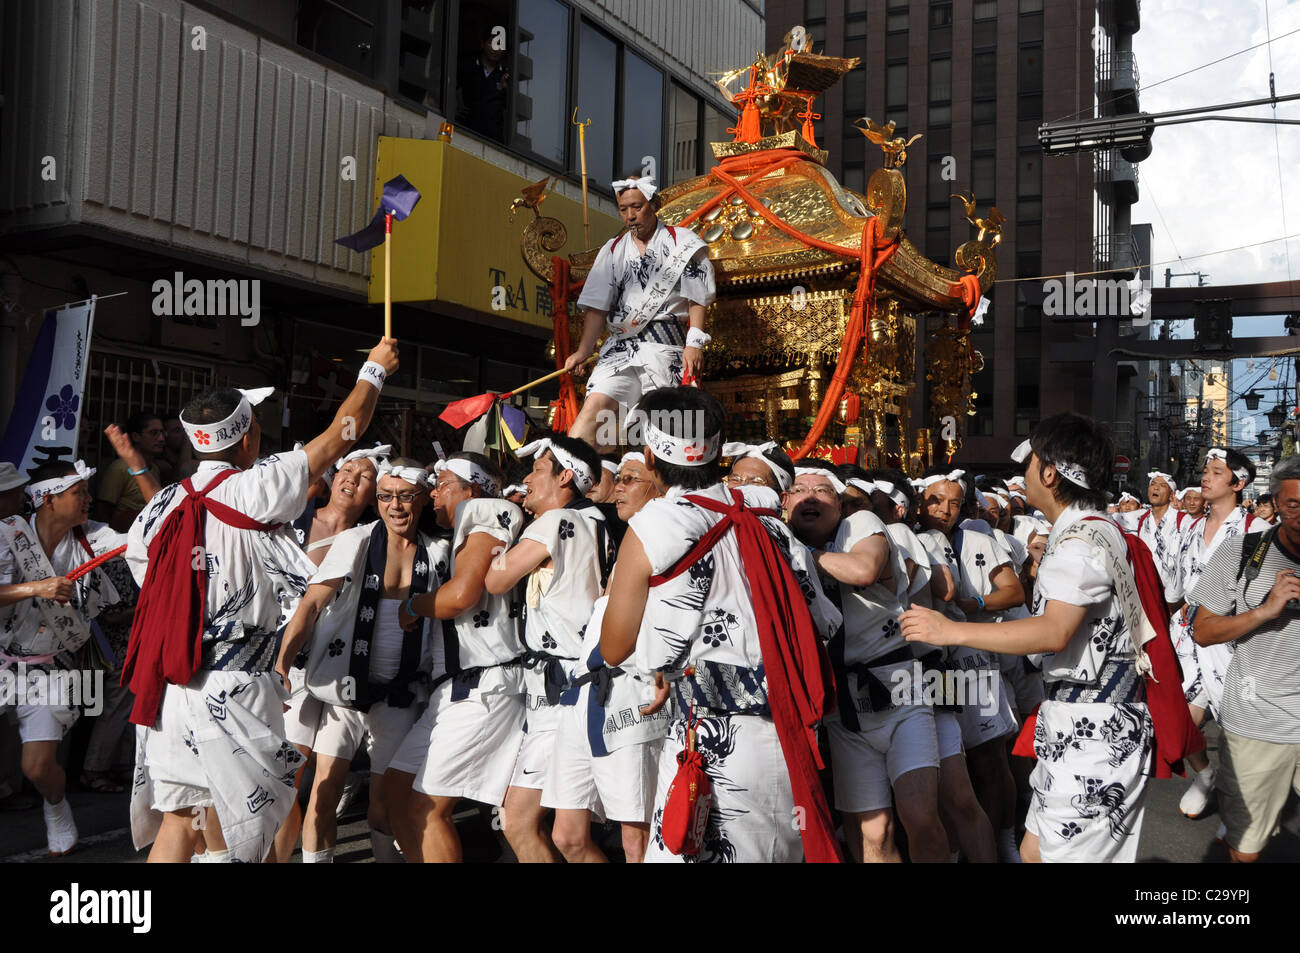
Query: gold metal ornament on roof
pixel 895 149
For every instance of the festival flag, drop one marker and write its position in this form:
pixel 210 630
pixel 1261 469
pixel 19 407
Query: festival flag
pixel 399 199
pixel 46 415
pixel 514 425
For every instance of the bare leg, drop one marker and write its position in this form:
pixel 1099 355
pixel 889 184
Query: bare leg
pixel 320 826
pixel 874 840
pixel 1029 849
pixel 597 422
pixel 41 767
pixel 967 824
pixel 636 837
pixel 176 838
pixel 407 812
pixel 522 823
pixel 917 795
pixel 439 842
pixel 572 833
pixel 286 838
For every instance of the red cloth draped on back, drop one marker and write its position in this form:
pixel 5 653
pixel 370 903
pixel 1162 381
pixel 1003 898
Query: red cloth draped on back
pixel 800 684
pixel 1176 735
pixel 167 632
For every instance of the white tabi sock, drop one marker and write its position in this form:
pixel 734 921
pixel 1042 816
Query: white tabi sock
pixel 954 857
pixel 1007 852
pixel 210 856
pixel 325 856
pixel 60 828
pixel 384 849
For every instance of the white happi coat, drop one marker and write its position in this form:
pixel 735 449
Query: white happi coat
pixel 23 633
pixel 223 734
pixel 622 277
pixel 1089 784
pixel 1164 537
pixel 704 619
pixel 582 552
pixel 1204 667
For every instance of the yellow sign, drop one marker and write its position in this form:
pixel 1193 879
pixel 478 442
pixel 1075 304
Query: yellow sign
pixel 459 245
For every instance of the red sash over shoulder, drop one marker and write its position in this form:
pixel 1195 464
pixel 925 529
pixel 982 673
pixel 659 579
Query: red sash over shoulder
pixel 800 685
pixel 167 633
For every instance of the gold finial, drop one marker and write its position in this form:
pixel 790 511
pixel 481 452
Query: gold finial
pixel 530 196
pixel 895 149
pixel 990 225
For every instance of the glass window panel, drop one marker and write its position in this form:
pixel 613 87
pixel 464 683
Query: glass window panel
pixel 817 37
pixel 420 51
pixel 1029 175
pixel 855 92
pixel 855 148
pixel 342 32
pixel 941 39
pixel 855 27
pixel 1031 28
pixel 899 118
pixel 896 85
pixel 985 111
pixel 984 74
pixel 940 115
pixel 684 127
pixel 983 178
pixel 643 107
pixel 940 80
pixel 716 124
pixel 814 10
pixel 1030 106
pixel 985 9
pixel 896 46
pixel 984 34
pixel 540 117
pixel 1031 6
pixel 1029 210
pixel 940 142
pixel 1027 133
pixel 1029 73
pixel 896 21
pixel 940 15
pixel 855 178
pixel 935 183
pixel 937 218
pixel 983 137
pixel 597 56
pixel 855 6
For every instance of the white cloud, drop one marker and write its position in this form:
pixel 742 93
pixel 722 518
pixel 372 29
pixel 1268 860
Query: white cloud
pixel 1216 183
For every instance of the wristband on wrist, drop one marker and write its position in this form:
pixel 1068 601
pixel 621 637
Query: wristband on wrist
pixel 137 472
pixel 695 337
pixel 373 374
pixel 980 600
pixel 409 609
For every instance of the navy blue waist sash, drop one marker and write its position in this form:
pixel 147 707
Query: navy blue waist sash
pixel 722 688
pixel 555 678
pixel 658 331
pixel 467 679
pixel 1118 683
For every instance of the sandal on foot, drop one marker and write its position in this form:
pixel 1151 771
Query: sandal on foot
pixel 100 782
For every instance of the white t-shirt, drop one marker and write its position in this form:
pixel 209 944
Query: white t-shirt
pixel 871 627
pixel 490 631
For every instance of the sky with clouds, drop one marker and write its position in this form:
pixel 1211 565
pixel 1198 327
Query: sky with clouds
pixel 1209 186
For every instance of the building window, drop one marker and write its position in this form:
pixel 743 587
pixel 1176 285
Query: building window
pixel 716 124
pixel 984 34
pixel 896 21
pixel 984 10
pixel 543 64
pixel 345 32
pixel 420 52
pixel 1029 176
pixel 1029 72
pixel 896 85
pixel 598 80
pixel 643 109
pixel 940 14
pixel 984 75
pixel 684 128
pixel 484 80
pixel 941 80
pixel 983 178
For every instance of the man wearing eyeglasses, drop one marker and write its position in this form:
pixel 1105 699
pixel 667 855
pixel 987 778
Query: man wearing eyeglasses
pixel 884 754
pixel 351 610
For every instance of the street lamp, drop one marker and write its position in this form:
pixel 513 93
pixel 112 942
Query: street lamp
pixel 1252 399
pixel 1276 416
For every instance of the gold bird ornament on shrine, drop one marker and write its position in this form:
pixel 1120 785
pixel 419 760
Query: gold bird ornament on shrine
pixel 989 225
pixel 895 149
pixel 531 196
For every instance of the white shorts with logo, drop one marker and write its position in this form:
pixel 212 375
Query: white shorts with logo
pixel 536 756
pixel 947 730
pixel 619 786
pixel 464 749
pixel 889 745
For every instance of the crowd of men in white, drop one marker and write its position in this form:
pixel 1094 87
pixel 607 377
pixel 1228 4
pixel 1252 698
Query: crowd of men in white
pixel 499 644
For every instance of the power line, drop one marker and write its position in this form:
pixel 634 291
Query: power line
pixel 1277 148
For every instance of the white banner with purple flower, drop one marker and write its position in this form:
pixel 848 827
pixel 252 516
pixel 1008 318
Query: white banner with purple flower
pixel 47 410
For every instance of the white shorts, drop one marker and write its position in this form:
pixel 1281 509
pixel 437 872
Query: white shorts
pixel 304 712
pixel 536 756
pixel 654 366
pixel 341 731
pixel 463 749
pixel 619 786
pixel 868 762
pixel 980 723
pixel 45 722
pixel 947 730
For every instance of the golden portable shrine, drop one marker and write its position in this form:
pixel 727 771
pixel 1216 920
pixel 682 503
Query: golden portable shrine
pixel 819 290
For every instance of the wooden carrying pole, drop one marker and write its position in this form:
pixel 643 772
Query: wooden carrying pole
pixel 388 275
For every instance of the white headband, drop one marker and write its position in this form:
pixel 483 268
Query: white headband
pixel 583 478
pixel 954 476
pixel 631 456
pixel 376 455
pixel 37 492
pixel 611 466
pixel 1126 495
pixel 1181 493
pixel 835 481
pixel 1168 478
pixel 214 437
pixel 1216 454
pixel 738 451
pixel 514 488
pixel 646 185
pixel 1017 495
pixel 416 476
pixel 470 472
pixel 879 486
pixel 1071 471
pixel 679 452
